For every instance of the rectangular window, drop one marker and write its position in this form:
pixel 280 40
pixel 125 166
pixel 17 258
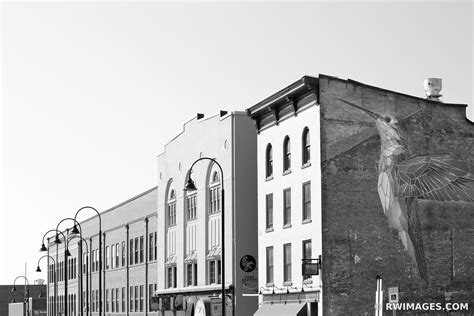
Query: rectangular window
pixel 191 207
pixel 142 245
pixel 195 276
pixel 306 201
pixel 112 299
pixel 215 199
pixel 286 262
pixel 131 299
pixel 172 214
pixel 136 299
pixel 287 207
pixel 156 249
pixel 171 276
pixel 269 265
pixel 136 250
pixel 113 251
pixel 189 274
pixel 117 256
pixel 117 300
pixel 142 292
pixel 212 272
pixel 124 296
pixel 124 253
pixel 107 253
pixel 306 254
pixel 150 247
pixel 107 302
pixel 269 211
pixel 131 251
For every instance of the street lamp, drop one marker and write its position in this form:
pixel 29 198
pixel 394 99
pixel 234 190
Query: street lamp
pixel 43 249
pixel 38 269
pixel 80 273
pixel 100 252
pixel 25 294
pixel 190 186
pixel 66 254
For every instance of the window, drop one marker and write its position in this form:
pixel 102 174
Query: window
pixel 107 253
pixel 286 154
pixel 306 254
pixel 191 274
pixel 306 201
pixel 141 297
pixel 123 254
pixel 172 209
pixel 269 161
pixel 156 249
pixel 113 300
pixel 287 263
pixel 117 256
pixel 171 276
pixel 131 251
pixel 136 250
pixel 131 299
pixel 191 207
pixel 107 302
pixel 114 253
pixel 269 265
pixel 286 207
pixel 269 211
pixel 151 247
pixel 136 299
pixel 215 194
pixel 306 146
pixel 117 300
pixel 124 296
pixel 214 271
pixel 141 249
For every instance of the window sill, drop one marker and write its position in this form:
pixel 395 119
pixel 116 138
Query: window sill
pixel 269 230
pixel 306 221
pixel 269 284
pixel 286 226
pixel 306 165
pixel 288 171
pixel 269 178
pixel 308 281
pixel 287 283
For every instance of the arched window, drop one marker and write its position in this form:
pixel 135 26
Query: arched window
pixel 286 154
pixel 269 161
pixel 215 177
pixel 172 208
pixel 306 146
pixel 214 193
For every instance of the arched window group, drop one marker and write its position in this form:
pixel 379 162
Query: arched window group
pixel 286 153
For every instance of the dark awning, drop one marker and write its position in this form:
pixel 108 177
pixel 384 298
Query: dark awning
pixel 289 309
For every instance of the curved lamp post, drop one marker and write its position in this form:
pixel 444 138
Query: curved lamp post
pixel 25 294
pixel 38 269
pixel 80 272
pixel 66 254
pixel 57 241
pixel 190 186
pixel 100 252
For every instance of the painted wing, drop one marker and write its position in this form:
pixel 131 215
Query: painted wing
pixel 434 177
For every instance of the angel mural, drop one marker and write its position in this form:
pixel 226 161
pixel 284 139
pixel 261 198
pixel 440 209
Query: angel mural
pixel 403 179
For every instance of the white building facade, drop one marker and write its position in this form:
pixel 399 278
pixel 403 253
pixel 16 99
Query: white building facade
pixel 289 200
pixel 189 223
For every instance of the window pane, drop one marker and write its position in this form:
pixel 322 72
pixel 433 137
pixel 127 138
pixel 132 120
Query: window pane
pixel 269 210
pixel 269 264
pixel 287 262
pixel 287 207
pixel 307 201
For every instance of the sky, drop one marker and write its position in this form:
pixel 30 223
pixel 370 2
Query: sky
pixel 91 92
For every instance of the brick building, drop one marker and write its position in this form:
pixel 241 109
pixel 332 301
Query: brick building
pixel 129 260
pixel 411 224
pixel 189 222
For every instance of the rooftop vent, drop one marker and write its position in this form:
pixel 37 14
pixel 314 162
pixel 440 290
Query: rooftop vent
pixel 199 116
pixel 432 88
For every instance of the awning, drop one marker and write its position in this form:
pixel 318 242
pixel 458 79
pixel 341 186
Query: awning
pixel 289 309
pixel 191 257
pixel 214 252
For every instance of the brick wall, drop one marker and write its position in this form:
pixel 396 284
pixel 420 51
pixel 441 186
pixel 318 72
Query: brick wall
pixel 358 243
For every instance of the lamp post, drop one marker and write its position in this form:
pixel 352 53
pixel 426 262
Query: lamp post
pixel 80 273
pixel 43 248
pixel 38 269
pixel 25 294
pixel 100 252
pixel 190 186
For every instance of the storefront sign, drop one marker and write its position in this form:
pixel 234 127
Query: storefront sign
pixel 248 263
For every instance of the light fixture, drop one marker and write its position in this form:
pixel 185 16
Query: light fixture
pixel 38 269
pixel 43 248
pixel 68 254
pixel 57 240
pixel 190 186
pixel 75 230
pixel 13 289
